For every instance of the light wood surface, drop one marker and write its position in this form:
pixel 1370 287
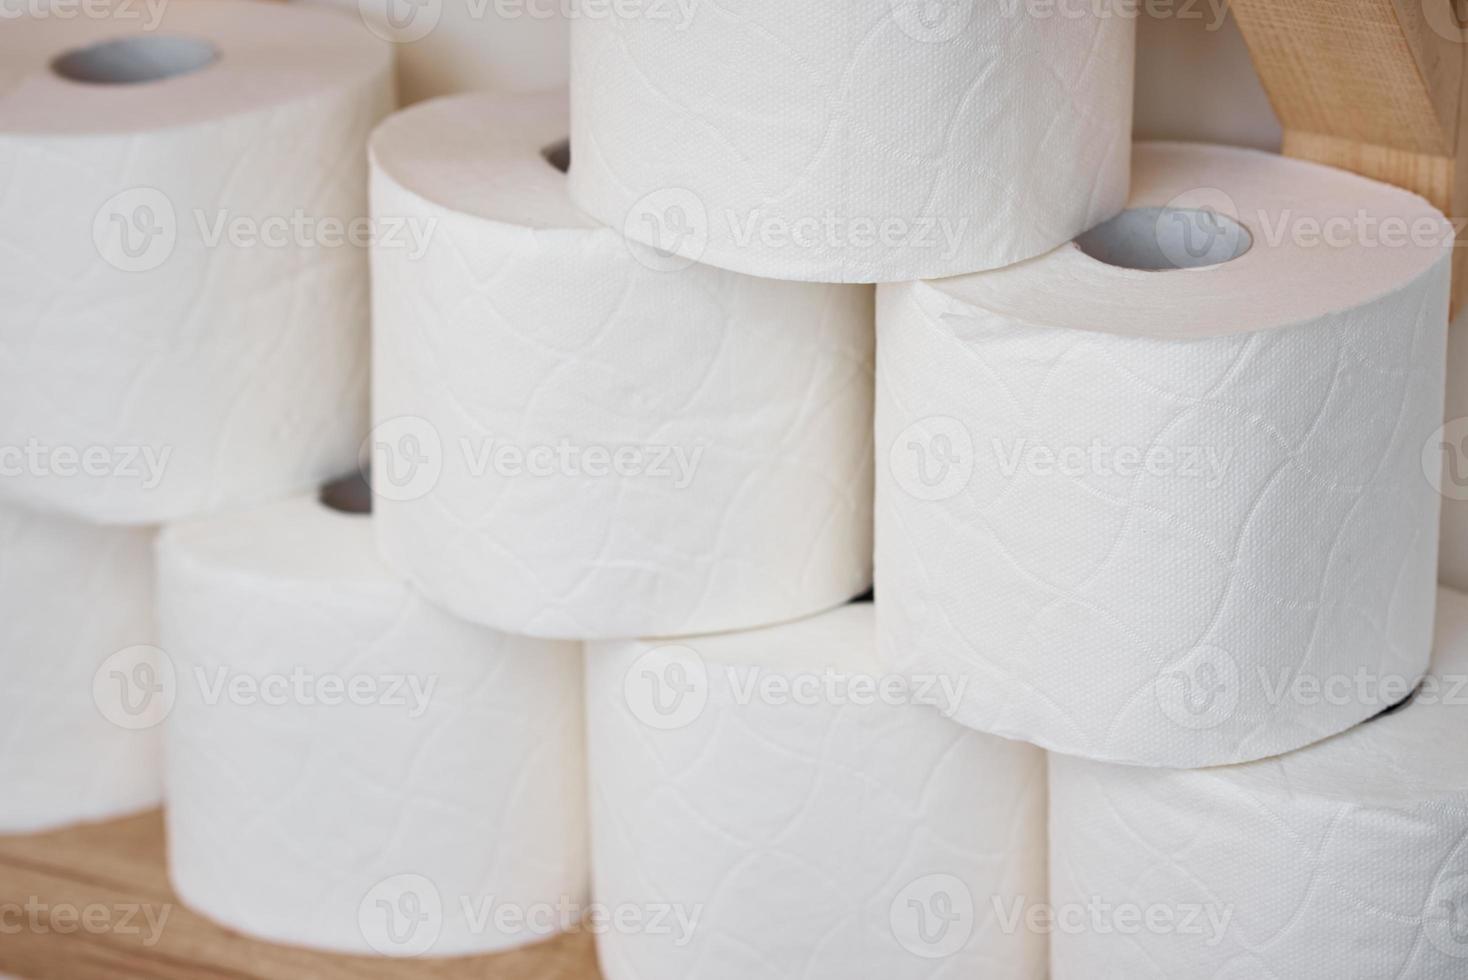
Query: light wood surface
pixel 120 866
pixel 1372 86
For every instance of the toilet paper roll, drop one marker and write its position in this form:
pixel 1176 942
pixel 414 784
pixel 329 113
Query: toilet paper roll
pixel 789 812
pixel 185 294
pixel 1129 505
pixel 575 439
pixel 349 768
pixel 77 741
pixel 449 46
pixel 870 143
pixel 1452 442
pixel 1346 858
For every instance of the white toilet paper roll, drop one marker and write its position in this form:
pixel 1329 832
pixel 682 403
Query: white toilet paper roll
pixel 449 46
pixel 873 142
pixel 78 741
pixel 1346 858
pixel 350 768
pixel 790 812
pixel 184 301
pixel 1452 442
pixel 573 443
pixel 1130 504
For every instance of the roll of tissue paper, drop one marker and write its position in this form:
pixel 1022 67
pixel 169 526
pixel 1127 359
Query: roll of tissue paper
pixel 874 142
pixel 184 298
pixel 78 726
pixel 1346 858
pixel 449 46
pixel 351 769
pixel 1133 489
pixel 1452 443
pixel 785 810
pixel 579 438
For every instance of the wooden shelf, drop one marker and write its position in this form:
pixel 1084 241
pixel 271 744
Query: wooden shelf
pixel 122 864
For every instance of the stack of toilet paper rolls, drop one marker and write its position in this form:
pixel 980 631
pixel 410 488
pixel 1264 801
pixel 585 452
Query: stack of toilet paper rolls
pixel 338 751
pixel 154 364
pixel 591 421
pixel 1346 857
pixel 1147 469
pixel 1164 500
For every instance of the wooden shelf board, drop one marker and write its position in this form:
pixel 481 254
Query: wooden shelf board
pixel 121 864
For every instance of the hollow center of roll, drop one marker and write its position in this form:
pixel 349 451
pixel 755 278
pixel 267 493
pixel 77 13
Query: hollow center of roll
pixel 558 155
pixel 1158 239
pixel 131 60
pixel 349 495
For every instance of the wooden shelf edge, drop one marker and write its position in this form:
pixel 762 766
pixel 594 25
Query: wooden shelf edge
pixel 114 872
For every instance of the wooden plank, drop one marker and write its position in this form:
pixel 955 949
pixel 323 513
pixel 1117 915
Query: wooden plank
pixel 1432 175
pixel 1362 71
pixel 117 871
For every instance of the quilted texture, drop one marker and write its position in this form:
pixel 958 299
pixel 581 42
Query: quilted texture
pixel 838 142
pixel 71 596
pixel 240 366
pixel 286 817
pixel 801 833
pixel 1272 529
pixel 1346 859
pixel 745 404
